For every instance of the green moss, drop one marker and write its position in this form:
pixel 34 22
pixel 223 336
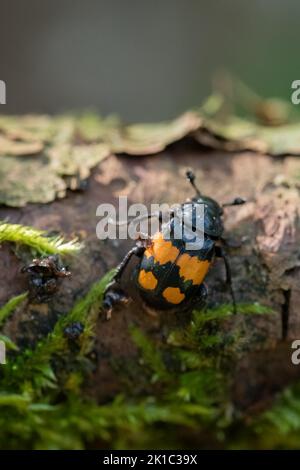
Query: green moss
pixel 36 365
pixel 74 423
pixel 225 310
pixel 9 344
pixel 276 428
pixel 205 332
pixel 284 416
pixel 10 306
pixel 37 240
pixel 13 400
pixel 150 356
pixel 43 406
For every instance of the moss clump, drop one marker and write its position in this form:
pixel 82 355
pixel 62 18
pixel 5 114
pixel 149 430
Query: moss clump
pixel 35 417
pixel 43 405
pixel 150 356
pixel 37 240
pixel 276 428
pixel 10 306
pixel 206 333
pixel 9 344
pixel 36 365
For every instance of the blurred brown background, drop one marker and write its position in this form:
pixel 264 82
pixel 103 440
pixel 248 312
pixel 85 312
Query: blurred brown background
pixel 146 60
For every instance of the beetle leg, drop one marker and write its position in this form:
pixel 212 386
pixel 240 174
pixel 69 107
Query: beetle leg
pixel 220 254
pixel 231 243
pixel 111 298
pixel 113 293
pixel 136 250
pixel 201 297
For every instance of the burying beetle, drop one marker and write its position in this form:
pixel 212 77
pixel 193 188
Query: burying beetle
pixel 169 276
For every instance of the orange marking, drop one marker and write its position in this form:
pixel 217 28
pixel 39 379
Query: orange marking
pixel 163 251
pixel 192 269
pixel 147 280
pixel 173 295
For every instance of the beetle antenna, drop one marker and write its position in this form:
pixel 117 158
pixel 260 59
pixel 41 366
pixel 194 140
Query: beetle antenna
pixel 191 178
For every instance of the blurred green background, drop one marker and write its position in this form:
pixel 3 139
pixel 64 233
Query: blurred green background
pixel 145 60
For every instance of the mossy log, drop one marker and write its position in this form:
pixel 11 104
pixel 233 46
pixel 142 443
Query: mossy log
pixel 265 263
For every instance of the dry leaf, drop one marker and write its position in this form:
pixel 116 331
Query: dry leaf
pixel 61 151
pixel 19 148
pixel 137 139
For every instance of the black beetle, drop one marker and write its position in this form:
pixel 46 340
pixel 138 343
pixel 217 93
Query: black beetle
pixel 169 275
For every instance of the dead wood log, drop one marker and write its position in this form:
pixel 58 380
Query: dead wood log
pixel 266 267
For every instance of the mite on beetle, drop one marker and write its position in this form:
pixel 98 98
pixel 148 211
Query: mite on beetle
pixel 169 276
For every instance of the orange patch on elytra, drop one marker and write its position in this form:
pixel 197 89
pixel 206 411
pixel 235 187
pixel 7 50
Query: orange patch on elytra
pixel 192 269
pixel 173 295
pixel 147 280
pixel 162 250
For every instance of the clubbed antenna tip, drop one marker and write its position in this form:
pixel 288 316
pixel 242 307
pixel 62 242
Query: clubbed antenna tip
pixel 191 178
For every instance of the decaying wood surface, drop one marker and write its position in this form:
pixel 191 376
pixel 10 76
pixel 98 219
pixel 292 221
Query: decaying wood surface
pixel 266 267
